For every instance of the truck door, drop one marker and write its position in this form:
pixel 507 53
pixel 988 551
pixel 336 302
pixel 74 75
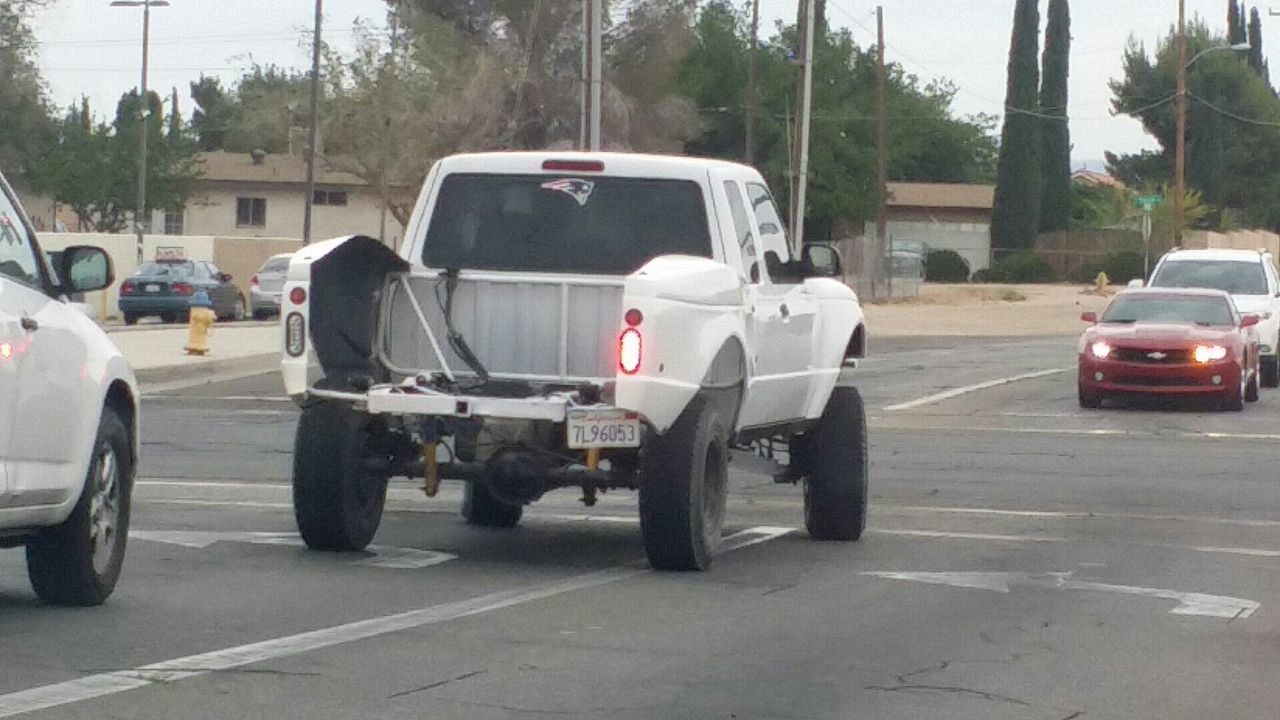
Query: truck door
pixel 781 312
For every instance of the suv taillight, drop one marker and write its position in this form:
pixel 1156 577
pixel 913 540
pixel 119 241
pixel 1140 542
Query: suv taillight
pixel 254 281
pixel 629 351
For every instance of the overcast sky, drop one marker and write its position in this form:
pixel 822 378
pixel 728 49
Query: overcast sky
pixel 89 48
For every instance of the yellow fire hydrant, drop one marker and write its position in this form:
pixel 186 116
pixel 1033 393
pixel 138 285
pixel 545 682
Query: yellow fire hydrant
pixel 201 319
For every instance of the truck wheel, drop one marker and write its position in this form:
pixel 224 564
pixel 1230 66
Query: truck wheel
pixel 1271 371
pixel 336 500
pixel 684 481
pixel 78 562
pixel 480 507
pixel 835 488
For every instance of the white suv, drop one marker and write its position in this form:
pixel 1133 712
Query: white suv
pixel 1249 276
pixel 68 419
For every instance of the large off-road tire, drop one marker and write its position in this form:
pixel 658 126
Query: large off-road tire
pixel 78 562
pixel 481 508
pixel 684 484
pixel 835 487
pixel 337 501
pixel 1271 371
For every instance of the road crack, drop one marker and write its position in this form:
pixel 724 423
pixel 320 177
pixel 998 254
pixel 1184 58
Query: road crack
pixel 434 685
pixel 914 687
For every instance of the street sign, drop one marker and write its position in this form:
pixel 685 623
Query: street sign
pixel 1148 202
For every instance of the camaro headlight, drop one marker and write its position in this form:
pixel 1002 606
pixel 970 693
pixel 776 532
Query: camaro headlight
pixel 1208 353
pixel 1100 349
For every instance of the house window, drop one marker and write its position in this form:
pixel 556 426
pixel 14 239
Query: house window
pixel 173 222
pixel 329 197
pixel 251 212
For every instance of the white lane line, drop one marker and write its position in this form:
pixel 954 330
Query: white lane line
pixel 214 484
pixel 112 683
pixel 1066 514
pixel 956 392
pixel 1250 552
pixel 1188 603
pixel 943 535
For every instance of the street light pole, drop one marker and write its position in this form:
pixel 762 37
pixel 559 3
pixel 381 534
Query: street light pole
pixel 140 220
pixel 311 132
pixel 1180 160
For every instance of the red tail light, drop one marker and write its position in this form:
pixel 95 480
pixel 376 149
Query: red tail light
pixel 573 165
pixel 184 289
pixel 254 281
pixel 127 288
pixel 297 296
pixel 629 351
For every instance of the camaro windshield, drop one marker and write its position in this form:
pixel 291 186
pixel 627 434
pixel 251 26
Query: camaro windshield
pixel 1169 309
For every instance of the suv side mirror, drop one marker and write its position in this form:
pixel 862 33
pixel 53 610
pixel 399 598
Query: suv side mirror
pixel 1249 321
pixel 83 268
pixel 1090 317
pixel 821 260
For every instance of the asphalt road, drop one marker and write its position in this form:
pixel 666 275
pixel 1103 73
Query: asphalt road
pixel 1026 559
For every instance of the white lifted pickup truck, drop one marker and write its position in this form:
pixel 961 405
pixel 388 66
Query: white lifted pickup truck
pixel 596 321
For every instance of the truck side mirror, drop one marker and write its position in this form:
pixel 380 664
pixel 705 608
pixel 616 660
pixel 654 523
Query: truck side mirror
pixel 82 268
pixel 821 260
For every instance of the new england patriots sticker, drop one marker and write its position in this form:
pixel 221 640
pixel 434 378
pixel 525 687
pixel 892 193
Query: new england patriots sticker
pixel 575 188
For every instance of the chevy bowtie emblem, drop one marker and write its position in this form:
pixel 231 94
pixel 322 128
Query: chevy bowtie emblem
pixel 1157 355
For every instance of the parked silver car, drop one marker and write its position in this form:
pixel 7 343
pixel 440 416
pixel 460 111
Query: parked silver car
pixel 265 287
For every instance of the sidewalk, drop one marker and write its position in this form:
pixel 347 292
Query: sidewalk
pixel 157 355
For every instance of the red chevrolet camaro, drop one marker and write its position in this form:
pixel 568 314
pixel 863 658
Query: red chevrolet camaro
pixel 1170 342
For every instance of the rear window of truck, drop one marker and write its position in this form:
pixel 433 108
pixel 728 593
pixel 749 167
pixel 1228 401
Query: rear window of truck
pixel 563 224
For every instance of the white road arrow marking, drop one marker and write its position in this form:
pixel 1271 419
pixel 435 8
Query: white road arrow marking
pixel 393 558
pixel 1188 603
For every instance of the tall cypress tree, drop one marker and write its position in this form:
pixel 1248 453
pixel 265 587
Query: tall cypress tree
pixel 1055 134
pixel 1236 32
pixel 1015 219
pixel 1257 60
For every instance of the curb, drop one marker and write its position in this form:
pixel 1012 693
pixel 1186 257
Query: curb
pixel 207 372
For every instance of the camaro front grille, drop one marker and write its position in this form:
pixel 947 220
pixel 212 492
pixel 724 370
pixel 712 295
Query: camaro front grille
pixel 1152 356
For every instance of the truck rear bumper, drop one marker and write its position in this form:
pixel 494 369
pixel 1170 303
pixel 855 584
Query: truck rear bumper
pixel 396 400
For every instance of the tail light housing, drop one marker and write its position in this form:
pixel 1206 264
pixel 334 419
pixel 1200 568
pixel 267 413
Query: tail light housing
pixel 630 351
pixel 297 296
pixel 183 289
pixel 127 287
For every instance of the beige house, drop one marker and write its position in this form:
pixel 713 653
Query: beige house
pixel 942 216
pixel 264 196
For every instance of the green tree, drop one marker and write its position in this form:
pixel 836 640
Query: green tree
pixel 1237 32
pixel 1015 220
pixel 26 122
pixel 1257 58
pixel 273 107
pixel 217 113
pixel 1055 156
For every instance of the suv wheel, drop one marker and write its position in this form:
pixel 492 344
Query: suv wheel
pixel 684 482
pixel 1271 370
pixel 337 501
pixel 78 562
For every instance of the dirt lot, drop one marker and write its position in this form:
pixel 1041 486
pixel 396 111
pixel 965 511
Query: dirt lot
pixel 986 311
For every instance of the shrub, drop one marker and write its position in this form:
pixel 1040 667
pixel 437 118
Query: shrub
pixel 945 266
pixel 981 276
pixel 1024 266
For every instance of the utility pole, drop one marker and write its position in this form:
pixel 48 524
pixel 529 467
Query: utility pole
pixel 140 219
pixel 386 134
pixel 597 79
pixel 752 96
pixel 1180 161
pixel 315 121
pixel 802 131
pixel 882 152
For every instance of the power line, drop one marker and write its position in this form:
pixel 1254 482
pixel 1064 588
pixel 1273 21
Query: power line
pixel 1233 116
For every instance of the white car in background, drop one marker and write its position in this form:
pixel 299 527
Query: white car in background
pixel 266 284
pixel 1248 276
pixel 68 419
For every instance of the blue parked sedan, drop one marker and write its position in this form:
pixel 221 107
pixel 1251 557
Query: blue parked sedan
pixel 164 289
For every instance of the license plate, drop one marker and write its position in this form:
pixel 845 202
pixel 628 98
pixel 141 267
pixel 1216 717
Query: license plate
pixel 602 429
pixel 153 288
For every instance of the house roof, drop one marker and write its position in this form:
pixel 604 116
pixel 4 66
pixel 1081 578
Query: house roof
pixel 1089 177
pixel 275 168
pixel 942 195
